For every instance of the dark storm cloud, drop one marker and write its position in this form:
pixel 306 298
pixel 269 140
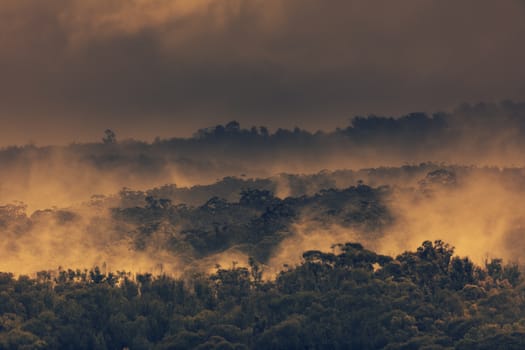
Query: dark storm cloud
pixel 156 67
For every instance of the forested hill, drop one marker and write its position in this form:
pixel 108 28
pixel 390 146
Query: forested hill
pixel 178 229
pixel 351 298
pixel 480 135
pixel 158 234
pixel 264 263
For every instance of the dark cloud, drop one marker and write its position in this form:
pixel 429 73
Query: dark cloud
pixel 156 67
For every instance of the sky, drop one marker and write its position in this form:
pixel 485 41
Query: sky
pixel 72 68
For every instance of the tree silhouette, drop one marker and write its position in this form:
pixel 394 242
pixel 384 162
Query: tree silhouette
pixel 109 137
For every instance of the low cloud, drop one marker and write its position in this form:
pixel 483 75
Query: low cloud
pixel 71 69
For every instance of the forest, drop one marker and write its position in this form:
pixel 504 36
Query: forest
pixel 351 298
pixel 423 255
pixel 262 174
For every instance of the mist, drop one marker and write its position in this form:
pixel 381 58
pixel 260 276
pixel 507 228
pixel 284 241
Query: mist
pixel 229 193
pixel 42 177
pixel 262 174
pixel 183 230
pixel 73 69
